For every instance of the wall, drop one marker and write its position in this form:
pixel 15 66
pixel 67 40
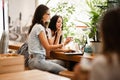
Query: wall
pixel 18 28
pixel 26 7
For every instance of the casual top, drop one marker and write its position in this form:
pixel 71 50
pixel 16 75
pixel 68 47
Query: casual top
pixel 102 70
pixel 49 34
pixel 34 44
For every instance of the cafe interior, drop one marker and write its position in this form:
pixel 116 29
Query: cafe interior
pixel 59 40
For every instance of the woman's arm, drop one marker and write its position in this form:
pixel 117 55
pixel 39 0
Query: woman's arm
pixel 57 36
pixel 46 45
pixel 56 39
pixel 50 41
pixel 68 39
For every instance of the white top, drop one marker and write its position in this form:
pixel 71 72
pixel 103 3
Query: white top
pixel 34 44
pixel 102 70
pixel 49 33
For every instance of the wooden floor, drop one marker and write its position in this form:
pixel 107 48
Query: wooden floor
pixel 31 75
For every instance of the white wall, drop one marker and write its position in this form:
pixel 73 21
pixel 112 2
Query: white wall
pixel 26 7
pixel 1 18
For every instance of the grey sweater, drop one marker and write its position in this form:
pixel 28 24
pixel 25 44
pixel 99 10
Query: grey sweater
pixel 102 70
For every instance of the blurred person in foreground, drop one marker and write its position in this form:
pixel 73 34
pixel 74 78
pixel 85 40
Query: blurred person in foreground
pixel 107 65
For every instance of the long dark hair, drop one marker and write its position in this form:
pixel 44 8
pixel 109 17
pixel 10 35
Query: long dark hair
pixel 110 30
pixel 52 25
pixel 38 15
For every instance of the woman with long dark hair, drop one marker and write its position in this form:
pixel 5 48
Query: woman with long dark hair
pixel 38 43
pixel 54 31
pixel 56 26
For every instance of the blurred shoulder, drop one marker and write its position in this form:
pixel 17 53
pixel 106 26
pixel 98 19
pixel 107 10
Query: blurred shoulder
pixel 38 26
pixel 99 61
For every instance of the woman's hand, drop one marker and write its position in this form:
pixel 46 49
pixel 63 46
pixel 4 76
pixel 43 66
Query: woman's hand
pixel 59 32
pixel 68 39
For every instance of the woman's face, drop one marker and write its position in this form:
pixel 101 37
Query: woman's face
pixel 46 16
pixel 59 23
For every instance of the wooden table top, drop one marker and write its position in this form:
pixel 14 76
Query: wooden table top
pixel 62 56
pixel 31 75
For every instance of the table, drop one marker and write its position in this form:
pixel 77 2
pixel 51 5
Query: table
pixel 32 75
pixel 62 56
pixel 15 45
pixel 11 63
pixel 70 60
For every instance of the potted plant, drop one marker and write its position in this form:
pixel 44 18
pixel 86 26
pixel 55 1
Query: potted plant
pixel 96 8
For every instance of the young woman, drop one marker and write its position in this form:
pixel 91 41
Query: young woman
pixel 107 66
pixel 38 43
pixel 54 31
pixel 56 26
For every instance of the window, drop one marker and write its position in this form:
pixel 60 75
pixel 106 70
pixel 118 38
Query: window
pixel 80 9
